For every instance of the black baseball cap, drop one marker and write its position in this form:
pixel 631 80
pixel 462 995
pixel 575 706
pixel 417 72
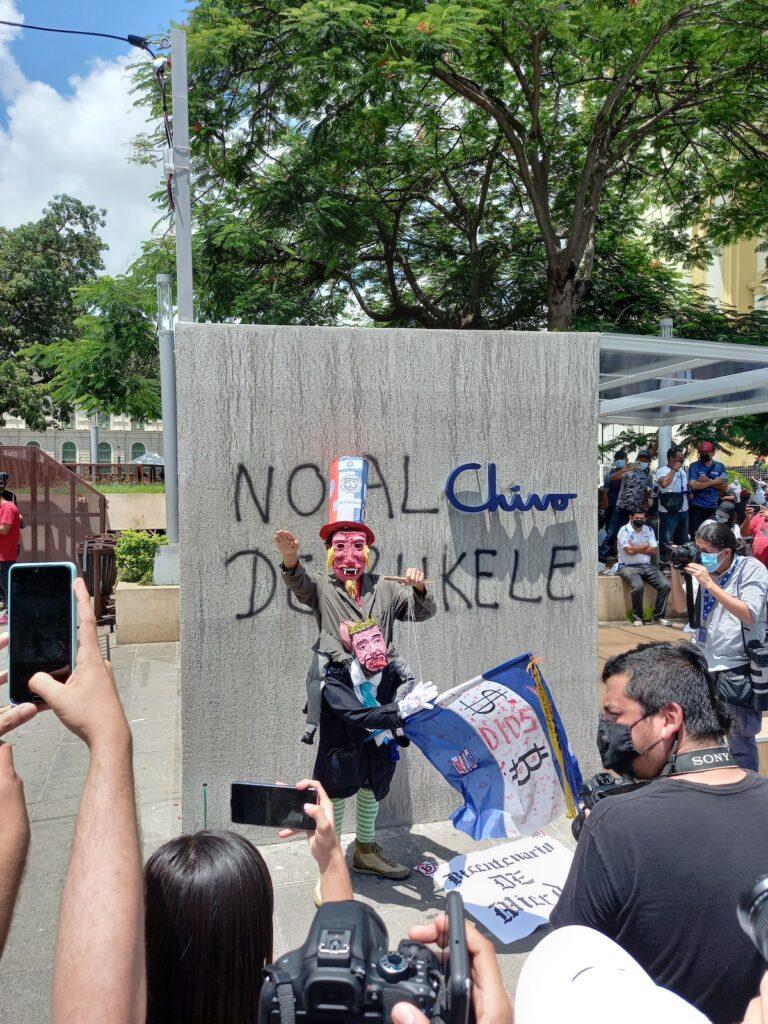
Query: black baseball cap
pixel 3 477
pixel 620 454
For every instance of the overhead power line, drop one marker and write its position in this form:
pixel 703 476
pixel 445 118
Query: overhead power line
pixel 138 41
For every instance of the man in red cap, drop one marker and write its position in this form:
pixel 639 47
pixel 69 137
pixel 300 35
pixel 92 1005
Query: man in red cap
pixel 708 481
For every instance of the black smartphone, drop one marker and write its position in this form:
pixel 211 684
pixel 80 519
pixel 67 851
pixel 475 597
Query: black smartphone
pixel 42 622
pixel 457 981
pixel 257 803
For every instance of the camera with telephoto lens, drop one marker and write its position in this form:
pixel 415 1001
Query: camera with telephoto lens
pixel 757 652
pixel 752 911
pixel 594 789
pixel 346 972
pixel 681 555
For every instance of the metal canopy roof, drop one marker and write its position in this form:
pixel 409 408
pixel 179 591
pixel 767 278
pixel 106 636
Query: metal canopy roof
pixel 652 381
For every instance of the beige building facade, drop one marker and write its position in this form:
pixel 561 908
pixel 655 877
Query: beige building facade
pixel 121 439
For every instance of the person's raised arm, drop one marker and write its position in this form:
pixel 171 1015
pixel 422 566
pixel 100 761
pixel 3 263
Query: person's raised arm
pixel 99 972
pixel 14 838
pixel 335 883
pixel 14 821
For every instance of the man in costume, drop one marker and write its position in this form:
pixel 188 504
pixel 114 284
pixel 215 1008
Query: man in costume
pixel 358 748
pixel 345 591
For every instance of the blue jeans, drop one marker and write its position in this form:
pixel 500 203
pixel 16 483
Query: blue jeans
pixel 741 739
pixel 617 517
pixel 673 529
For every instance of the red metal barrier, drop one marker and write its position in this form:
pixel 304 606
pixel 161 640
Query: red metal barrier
pixel 60 510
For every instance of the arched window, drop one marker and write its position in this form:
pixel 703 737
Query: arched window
pixel 32 444
pixel 69 452
pixel 137 450
pixel 105 452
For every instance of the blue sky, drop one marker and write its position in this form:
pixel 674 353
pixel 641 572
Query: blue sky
pixel 52 59
pixel 67 117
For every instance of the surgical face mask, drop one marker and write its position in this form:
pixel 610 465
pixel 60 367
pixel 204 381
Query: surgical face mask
pixel 710 562
pixel 619 463
pixel 720 518
pixel 644 466
pixel 615 746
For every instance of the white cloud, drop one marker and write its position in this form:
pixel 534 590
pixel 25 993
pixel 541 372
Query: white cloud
pixel 78 144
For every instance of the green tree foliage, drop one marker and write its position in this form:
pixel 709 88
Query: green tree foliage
pixel 112 363
pixel 41 263
pixel 465 164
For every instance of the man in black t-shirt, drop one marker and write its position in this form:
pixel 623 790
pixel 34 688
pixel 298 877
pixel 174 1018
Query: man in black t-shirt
pixel 660 869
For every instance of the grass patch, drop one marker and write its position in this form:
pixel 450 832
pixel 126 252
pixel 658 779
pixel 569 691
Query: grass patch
pixel 130 488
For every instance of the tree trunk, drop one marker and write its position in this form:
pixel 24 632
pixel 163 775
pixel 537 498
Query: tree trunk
pixel 560 302
pixel 565 293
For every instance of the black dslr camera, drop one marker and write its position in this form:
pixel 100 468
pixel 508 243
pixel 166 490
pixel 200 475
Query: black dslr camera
pixel 594 789
pixel 752 911
pixel 681 555
pixel 345 972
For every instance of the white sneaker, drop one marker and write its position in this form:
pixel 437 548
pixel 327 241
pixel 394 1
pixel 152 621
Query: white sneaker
pixel 601 566
pixel 660 621
pixel 638 622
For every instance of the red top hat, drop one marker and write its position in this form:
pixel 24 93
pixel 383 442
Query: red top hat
pixel 327 531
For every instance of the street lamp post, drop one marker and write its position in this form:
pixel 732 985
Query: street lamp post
pixel 168 399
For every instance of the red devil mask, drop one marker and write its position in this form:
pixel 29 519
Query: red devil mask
pixel 348 549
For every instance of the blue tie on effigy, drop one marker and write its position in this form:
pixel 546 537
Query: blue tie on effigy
pixel 369 701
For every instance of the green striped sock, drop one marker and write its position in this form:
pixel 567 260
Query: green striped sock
pixel 367 809
pixel 338 813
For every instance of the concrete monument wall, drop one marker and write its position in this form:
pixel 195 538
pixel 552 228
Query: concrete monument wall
pixel 263 411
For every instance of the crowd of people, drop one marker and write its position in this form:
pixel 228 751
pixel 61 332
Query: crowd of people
pixel 699 564
pixel 646 922
pixel 647 912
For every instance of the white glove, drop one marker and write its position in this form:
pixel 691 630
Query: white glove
pixel 419 699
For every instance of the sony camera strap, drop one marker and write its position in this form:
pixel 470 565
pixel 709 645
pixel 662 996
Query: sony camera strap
pixel 703 760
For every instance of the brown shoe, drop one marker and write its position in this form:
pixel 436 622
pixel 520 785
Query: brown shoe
pixel 370 859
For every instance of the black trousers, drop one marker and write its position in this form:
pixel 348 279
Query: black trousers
pixel 5 568
pixel 636 576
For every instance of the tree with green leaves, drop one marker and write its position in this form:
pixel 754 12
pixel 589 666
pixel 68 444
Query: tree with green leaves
pixel 112 364
pixel 462 164
pixel 41 264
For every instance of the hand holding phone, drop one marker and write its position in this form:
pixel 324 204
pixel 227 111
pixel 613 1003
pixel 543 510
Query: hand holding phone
pixel 271 806
pixel 42 624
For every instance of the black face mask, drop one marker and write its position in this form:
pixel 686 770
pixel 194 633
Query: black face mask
pixel 615 746
pixel 638 523
pixel 706 458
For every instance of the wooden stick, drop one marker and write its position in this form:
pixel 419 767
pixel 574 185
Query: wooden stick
pixel 402 579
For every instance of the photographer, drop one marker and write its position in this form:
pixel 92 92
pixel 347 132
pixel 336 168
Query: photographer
pixel 733 612
pixel 660 870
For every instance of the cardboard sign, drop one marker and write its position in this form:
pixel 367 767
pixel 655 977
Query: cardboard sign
pixel 511 889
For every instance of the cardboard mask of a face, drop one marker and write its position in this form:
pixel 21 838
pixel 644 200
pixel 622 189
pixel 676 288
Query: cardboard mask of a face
pixel 370 649
pixel 349 555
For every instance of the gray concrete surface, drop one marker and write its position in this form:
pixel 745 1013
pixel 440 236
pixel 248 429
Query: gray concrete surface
pixel 53 764
pixel 419 404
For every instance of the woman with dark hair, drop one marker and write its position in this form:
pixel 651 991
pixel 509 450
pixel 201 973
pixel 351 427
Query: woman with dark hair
pixel 733 592
pixel 209 908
